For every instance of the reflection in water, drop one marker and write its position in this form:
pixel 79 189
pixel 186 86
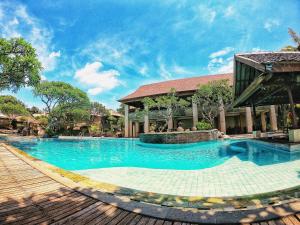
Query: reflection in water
pixel 259 153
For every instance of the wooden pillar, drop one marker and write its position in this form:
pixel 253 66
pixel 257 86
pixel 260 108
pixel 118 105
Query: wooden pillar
pixel 292 105
pixel 195 114
pixel 133 130
pixel 146 121
pixel 249 122
pixel 130 129
pixel 170 121
pixel 263 122
pixel 126 121
pixel 273 118
pixel 222 119
pixel 137 129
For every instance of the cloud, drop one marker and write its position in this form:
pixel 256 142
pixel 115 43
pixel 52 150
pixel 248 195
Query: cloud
pixel 220 62
pixel 207 14
pixel 180 70
pixel 97 80
pixel 162 69
pixel 222 52
pixel 270 24
pixel 229 11
pixel 15 21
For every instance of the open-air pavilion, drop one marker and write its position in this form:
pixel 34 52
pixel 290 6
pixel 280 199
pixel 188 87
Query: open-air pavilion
pixel 267 78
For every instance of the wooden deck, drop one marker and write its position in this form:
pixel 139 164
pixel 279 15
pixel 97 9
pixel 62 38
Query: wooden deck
pixel 28 196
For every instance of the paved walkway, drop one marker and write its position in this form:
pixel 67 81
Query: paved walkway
pixel 28 196
pixel 233 178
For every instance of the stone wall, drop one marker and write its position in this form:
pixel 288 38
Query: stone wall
pixel 179 137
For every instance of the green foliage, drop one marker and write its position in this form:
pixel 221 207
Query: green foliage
pixel 43 121
pixel 54 93
pixel 98 109
pixel 209 97
pixel 166 105
pixel 12 107
pixel 121 109
pixel 19 64
pixel 202 125
pixel 65 104
pixel 95 129
pixel 296 38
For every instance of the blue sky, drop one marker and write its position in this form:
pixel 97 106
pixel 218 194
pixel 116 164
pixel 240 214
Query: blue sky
pixel 109 48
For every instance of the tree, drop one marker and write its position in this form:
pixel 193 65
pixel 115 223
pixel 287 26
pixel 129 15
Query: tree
pixel 12 107
pixel 65 104
pixel 166 106
pixel 209 97
pixel 98 109
pixel 19 65
pixel 54 93
pixel 296 38
pixel 121 109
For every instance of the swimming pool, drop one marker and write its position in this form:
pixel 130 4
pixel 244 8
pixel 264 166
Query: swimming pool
pixel 107 153
pixel 223 168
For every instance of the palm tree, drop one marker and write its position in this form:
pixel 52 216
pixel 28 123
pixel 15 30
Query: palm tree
pixel 296 39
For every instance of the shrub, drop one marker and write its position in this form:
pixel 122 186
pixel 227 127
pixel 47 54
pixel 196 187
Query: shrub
pixel 202 125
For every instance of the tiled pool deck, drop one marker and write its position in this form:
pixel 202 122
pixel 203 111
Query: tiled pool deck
pixel 233 178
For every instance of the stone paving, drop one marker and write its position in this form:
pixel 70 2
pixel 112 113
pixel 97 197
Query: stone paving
pixel 233 178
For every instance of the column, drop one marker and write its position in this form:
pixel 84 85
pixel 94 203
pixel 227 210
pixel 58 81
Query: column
pixel 222 120
pixel 133 130
pixel 195 114
pixel 126 121
pixel 273 118
pixel 146 121
pixel 130 133
pixel 137 129
pixel 263 122
pixel 170 124
pixel 249 122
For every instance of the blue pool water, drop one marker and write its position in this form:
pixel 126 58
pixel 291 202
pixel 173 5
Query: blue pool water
pixel 105 153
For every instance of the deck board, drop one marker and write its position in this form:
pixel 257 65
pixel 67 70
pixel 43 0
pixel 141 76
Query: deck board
pixel 27 196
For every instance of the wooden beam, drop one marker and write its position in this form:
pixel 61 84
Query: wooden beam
pixel 269 94
pixel 250 90
pixel 250 62
pixel 286 67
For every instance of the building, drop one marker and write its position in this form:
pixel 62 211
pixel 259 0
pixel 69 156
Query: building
pixel 232 121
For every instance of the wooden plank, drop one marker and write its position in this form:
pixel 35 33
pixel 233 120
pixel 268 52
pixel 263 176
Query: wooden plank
pixel 109 213
pixel 119 218
pixel 128 218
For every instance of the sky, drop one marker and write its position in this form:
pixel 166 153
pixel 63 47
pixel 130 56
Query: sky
pixel 109 48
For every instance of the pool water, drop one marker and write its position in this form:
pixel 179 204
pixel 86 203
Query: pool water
pixel 108 153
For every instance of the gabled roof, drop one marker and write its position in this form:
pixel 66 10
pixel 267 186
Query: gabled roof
pixel 181 85
pixel 271 57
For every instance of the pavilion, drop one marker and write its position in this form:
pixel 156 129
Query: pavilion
pixel 230 120
pixel 267 78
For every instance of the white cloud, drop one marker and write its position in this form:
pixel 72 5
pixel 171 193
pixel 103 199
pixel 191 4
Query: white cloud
pixel 180 70
pixel 15 21
pixel 43 77
pixel 270 24
pixel 96 80
pixel 229 11
pixel 207 14
pixel 144 70
pixel 220 62
pixel 162 69
pixel 222 52
pixel 54 54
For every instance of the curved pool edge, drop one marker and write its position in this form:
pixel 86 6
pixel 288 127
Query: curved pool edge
pixel 222 215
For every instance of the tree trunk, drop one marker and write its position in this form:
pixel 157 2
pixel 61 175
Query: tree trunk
pixel 292 105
